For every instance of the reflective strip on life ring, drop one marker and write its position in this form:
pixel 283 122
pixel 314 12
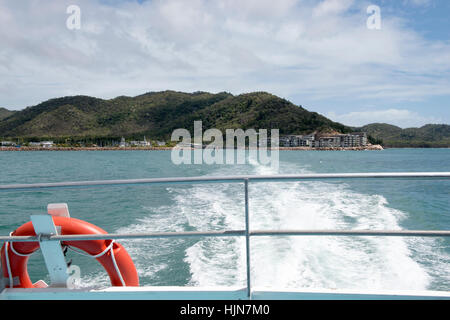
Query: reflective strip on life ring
pixel 116 261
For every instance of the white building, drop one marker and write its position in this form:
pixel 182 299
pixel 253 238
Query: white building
pixel 47 144
pixel 297 141
pixel 330 142
pixel 122 144
pixel 44 144
pixel 355 139
pixel 145 143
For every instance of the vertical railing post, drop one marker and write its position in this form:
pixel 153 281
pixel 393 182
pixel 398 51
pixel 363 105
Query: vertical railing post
pixel 247 237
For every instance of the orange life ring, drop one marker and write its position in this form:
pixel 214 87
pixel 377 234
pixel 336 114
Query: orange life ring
pixel 111 255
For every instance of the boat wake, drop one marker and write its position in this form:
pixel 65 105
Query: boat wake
pixel 300 262
pixel 292 262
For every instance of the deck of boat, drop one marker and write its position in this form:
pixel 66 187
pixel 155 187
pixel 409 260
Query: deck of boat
pixel 214 293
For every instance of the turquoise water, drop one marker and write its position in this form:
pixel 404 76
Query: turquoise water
pixel 299 262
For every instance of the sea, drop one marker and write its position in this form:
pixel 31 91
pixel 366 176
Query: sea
pixel 319 262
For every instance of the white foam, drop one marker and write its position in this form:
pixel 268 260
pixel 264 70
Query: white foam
pixel 327 262
pixel 300 262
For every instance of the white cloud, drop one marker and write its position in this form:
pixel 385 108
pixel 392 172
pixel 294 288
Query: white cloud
pixel 400 117
pixel 320 50
pixel 327 7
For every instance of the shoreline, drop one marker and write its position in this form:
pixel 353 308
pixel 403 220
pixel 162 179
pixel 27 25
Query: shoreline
pixel 370 147
pixel 83 148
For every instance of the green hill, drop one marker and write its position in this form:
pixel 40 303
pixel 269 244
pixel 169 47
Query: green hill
pixel 157 114
pixel 428 136
pixel 4 113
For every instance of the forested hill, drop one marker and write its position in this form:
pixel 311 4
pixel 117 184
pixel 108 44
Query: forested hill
pixel 5 113
pixel 157 114
pixel 430 135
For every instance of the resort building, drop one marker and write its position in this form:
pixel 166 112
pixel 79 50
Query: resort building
pixel 123 144
pixel 297 141
pixel 143 143
pixel 355 139
pixel 47 144
pixel 330 142
pixel 44 144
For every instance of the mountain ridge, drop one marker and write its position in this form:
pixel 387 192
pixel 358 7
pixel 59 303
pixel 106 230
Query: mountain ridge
pixel 4 113
pixel 157 114
pixel 427 136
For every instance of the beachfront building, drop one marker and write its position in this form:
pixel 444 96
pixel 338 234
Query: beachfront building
pixel 8 144
pixel 143 143
pixel 43 144
pixel 284 141
pixel 360 138
pixel 296 141
pixel 309 139
pixel 355 139
pixel 351 140
pixel 330 142
pixel 161 143
pixel 47 144
pixel 123 143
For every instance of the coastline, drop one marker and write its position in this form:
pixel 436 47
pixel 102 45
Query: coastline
pixel 83 148
pixel 369 147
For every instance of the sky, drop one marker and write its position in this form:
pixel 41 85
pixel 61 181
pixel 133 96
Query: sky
pixel 334 57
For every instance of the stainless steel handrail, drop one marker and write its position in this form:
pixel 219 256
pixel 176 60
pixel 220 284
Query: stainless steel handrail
pixel 230 179
pixel 230 233
pixel 245 179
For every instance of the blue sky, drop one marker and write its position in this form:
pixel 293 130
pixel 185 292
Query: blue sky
pixel 318 54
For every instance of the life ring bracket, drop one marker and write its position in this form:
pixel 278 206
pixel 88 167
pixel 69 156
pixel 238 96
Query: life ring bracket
pixel 110 254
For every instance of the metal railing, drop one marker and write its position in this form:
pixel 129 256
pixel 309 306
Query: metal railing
pixel 247 233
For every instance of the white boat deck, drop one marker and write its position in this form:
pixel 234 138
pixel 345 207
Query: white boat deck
pixel 214 293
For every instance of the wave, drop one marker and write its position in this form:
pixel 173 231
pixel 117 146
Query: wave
pixel 291 262
pixel 301 262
